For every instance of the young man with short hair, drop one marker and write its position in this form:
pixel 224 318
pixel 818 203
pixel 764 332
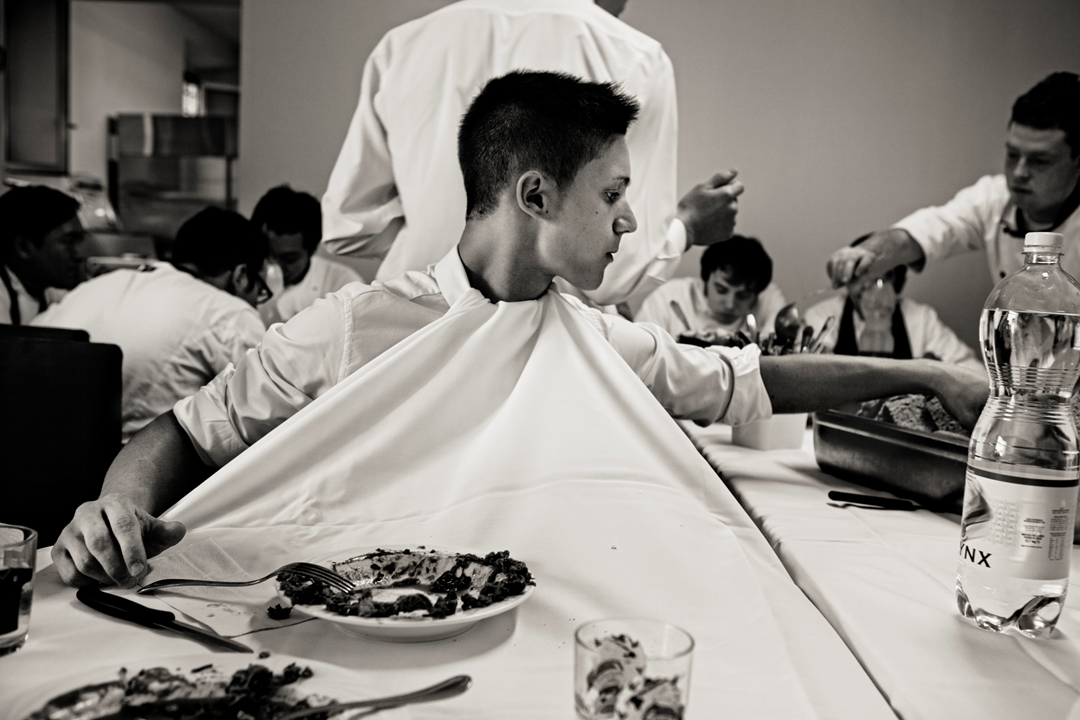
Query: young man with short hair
pixel 546 168
pixel 178 324
pixel 1039 191
pixel 292 224
pixel 41 247
pixel 735 281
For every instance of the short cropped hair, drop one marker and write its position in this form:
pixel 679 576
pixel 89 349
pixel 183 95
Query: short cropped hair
pixel 552 122
pixel 32 212
pixel 743 258
pixel 1053 104
pixel 215 241
pixel 285 211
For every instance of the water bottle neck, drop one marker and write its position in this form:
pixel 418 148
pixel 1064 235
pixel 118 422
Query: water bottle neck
pixel 1042 257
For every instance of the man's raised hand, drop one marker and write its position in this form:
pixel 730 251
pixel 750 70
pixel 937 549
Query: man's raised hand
pixel 708 210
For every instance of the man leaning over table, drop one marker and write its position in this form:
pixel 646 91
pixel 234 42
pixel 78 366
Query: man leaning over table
pixel 396 191
pixel 1039 191
pixel 546 165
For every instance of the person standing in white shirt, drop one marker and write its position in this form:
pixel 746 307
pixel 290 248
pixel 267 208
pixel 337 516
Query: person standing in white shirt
pixel 41 248
pixel 397 190
pixel 1039 191
pixel 292 224
pixel 178 324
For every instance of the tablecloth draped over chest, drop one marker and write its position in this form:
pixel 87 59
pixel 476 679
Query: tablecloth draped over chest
pixel 516 426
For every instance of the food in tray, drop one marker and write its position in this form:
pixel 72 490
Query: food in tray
pixel 417 583
pixel 914 412
pixel 619 688
pixel 160 693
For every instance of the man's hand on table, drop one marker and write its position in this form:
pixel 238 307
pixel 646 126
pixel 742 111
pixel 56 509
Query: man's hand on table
pixel 109 540
pixel 708 210
pixel 963 391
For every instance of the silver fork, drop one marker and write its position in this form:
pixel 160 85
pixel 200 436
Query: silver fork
pixel 446 689
pixel 309 570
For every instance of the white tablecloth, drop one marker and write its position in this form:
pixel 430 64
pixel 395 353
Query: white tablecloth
pixel 885 579
pixel 513 428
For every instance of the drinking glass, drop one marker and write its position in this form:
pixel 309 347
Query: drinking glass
pixel 631 668
pixel 18 547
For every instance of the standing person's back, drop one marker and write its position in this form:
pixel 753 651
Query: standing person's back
pixel 176 329
pixel 397 189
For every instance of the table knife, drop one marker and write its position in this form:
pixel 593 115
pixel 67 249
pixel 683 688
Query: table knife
pixel 124 609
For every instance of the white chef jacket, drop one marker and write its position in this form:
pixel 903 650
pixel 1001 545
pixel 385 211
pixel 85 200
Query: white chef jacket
pixel 926 332
pixel 300 360
pixel 689 294
pixel 322 278
pixel 976 219
pixel 176 333
pixel 397 190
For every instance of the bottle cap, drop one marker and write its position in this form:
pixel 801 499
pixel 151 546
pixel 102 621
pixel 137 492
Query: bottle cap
pixel 1045 241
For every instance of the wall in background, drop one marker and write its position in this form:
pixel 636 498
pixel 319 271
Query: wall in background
pixel 126 57
pixel 841 115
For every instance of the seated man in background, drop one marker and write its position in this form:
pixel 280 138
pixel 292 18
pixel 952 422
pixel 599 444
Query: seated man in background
pixel 875 320
pixel 292 223
pixel 177 324
pixel 736 280
pixel 1039 191
pixel 41 249
pixel 546 167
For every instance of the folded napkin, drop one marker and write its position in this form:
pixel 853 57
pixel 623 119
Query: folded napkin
pixel 228 611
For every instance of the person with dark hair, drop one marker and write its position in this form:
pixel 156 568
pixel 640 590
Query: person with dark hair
pixel 178 324
pixel 396 191
pixel 735 281
pixel 494 287
pixel 1039 191
pixel 873 319
pixel 41 248
pixel 292 224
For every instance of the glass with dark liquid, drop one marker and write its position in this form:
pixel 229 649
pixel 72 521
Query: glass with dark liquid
pixel 18 548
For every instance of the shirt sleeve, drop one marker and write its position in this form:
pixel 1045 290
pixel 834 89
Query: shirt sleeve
pixel 296 362
pixel 362 211
pixel 694 383
pixel 959 225
pixel 651 254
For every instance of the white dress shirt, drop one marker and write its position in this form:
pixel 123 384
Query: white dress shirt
pixel 28 304
pixel 977 219
pixel 397 190
pixel 926 332
pixel 176 333
pixel 322 278
pixel 689 294
pixel 302 359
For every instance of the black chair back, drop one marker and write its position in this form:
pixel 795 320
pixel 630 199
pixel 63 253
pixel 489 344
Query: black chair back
pixel 59 428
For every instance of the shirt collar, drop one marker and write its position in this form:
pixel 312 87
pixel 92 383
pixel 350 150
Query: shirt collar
pixel 450 274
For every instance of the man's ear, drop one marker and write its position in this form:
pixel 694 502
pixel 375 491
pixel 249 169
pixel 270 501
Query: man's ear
pixel 240 279
pixel 533 194
pixel 23 247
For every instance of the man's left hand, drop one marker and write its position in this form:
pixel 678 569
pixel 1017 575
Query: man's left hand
pixel 708 210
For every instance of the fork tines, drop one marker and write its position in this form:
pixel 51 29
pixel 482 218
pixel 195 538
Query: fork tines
pixel 320 573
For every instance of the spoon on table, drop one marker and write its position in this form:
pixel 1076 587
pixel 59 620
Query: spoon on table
pixel 751 325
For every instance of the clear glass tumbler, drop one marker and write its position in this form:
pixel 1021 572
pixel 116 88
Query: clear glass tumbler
pixel 631 668
pixel 18 548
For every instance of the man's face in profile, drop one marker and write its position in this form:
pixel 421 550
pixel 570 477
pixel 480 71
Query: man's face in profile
pixel 1040 169
pixel 57 261
pixel 729 302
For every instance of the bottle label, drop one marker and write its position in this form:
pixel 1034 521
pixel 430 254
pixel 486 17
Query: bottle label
pixel 1018 521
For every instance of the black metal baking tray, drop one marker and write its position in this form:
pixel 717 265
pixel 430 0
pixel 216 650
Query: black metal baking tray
pixel 926 467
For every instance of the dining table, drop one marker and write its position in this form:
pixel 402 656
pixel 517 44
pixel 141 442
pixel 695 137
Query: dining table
pixel 886 581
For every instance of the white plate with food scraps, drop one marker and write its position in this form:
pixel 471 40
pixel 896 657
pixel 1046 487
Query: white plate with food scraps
pixel 406 628
pixel 328 683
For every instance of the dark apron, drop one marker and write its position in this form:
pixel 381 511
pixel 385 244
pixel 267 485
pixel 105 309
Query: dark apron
pixel 847 344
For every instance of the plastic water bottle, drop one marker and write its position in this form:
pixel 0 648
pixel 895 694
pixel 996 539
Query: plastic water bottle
pixel 1023 473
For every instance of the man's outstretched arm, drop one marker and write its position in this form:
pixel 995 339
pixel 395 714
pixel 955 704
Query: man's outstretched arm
pixel 110 539
pixel 813 382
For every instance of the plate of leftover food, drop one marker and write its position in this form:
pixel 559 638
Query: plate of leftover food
pixel 217 685
pixel 412 593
